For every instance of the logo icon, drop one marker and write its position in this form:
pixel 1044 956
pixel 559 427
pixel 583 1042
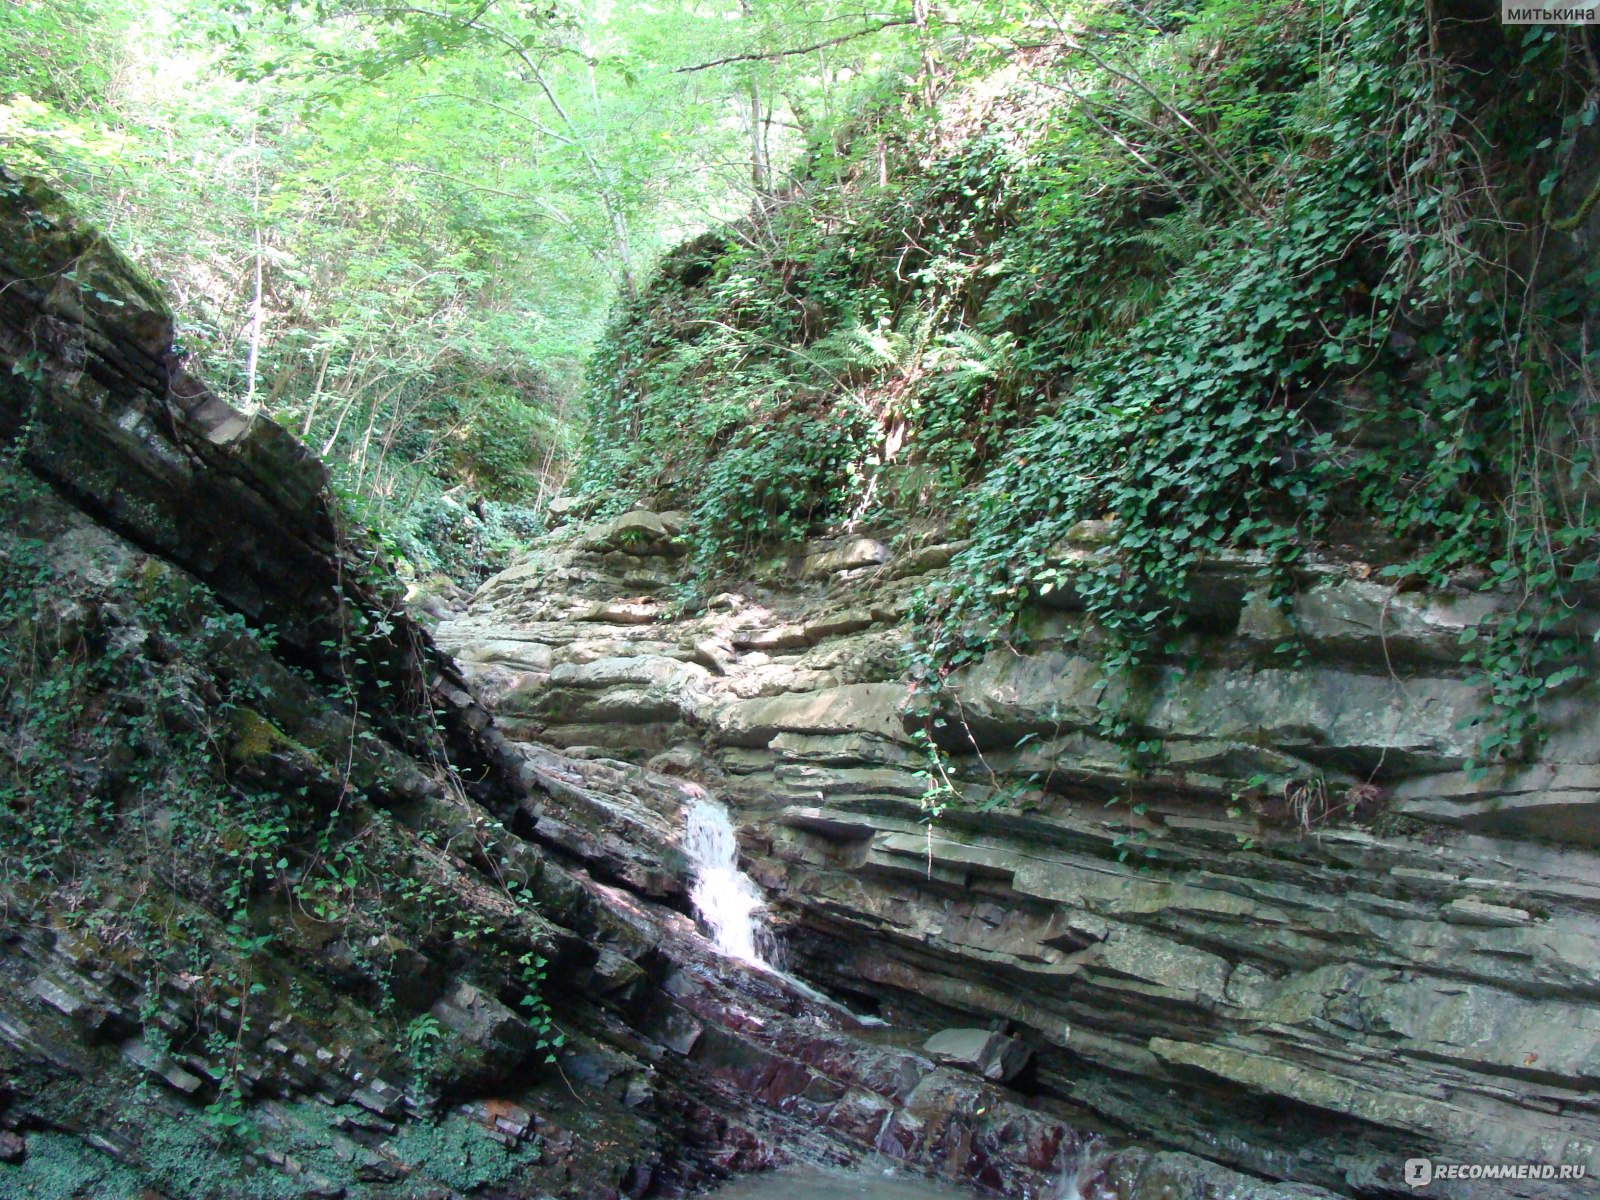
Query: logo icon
pixel 1419 1172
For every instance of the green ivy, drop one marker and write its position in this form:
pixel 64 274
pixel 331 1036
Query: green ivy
pixel 1245 281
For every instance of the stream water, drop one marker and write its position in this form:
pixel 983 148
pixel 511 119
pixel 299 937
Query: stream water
pixel 733 910
pixel 813 1184
pixel 865 1183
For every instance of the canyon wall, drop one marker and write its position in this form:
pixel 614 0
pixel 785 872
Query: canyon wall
pixel 1304 941
pixel 288 915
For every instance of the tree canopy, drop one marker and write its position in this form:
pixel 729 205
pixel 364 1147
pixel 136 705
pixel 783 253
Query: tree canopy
pixel 397 228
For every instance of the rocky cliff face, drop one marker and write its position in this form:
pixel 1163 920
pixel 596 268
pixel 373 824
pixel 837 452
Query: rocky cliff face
pixel 1304 943
pixel 248 862
pixel 281 898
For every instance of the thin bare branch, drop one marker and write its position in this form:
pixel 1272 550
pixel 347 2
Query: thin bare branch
pixel 769 55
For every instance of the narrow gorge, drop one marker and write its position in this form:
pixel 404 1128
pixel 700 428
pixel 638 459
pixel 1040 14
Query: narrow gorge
pixel 1052 653
pixel 155 529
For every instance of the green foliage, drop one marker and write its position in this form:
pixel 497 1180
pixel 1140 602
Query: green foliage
pixel 189 1161
pixel 532 977
pixel 422 1036
pixel 775 480
pixel 1242 407
pixel 396 230
pixel 66 53
pixel 1230 275
pixel 1236 276
pixel 445 531
pixel 460 1155
pixel 60 1167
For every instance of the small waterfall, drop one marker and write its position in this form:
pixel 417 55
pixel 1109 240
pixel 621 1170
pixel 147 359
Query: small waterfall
pixel 1077 1167
pixel 725 898
pixel 732 906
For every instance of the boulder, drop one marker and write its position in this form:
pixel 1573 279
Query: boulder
pixel 982 1051
pixel 853 708
pixel 641 533
pixel 847 556
pixel 159 1064
pixel 481 1020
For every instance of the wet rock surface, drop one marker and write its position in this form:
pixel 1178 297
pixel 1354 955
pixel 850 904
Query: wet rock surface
pixel 1302 944
pixel 990 1054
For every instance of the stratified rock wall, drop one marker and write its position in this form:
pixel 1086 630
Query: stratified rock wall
pixel 189 570
pixel 346 1014
pixel 1305 942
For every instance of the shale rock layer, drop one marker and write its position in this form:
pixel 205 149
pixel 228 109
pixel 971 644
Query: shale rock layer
pixel 1305 941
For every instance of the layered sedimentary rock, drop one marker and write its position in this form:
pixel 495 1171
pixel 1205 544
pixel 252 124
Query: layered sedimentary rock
pixel 301 963
pixel 1304 941
pixel 201 661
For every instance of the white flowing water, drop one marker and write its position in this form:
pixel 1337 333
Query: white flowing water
pixel 725 898
pixel 1076 1168
pixel 732 906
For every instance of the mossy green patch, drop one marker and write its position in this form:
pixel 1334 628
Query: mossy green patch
pixel 458 1153
pixel 255 737
pixel 59 1167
